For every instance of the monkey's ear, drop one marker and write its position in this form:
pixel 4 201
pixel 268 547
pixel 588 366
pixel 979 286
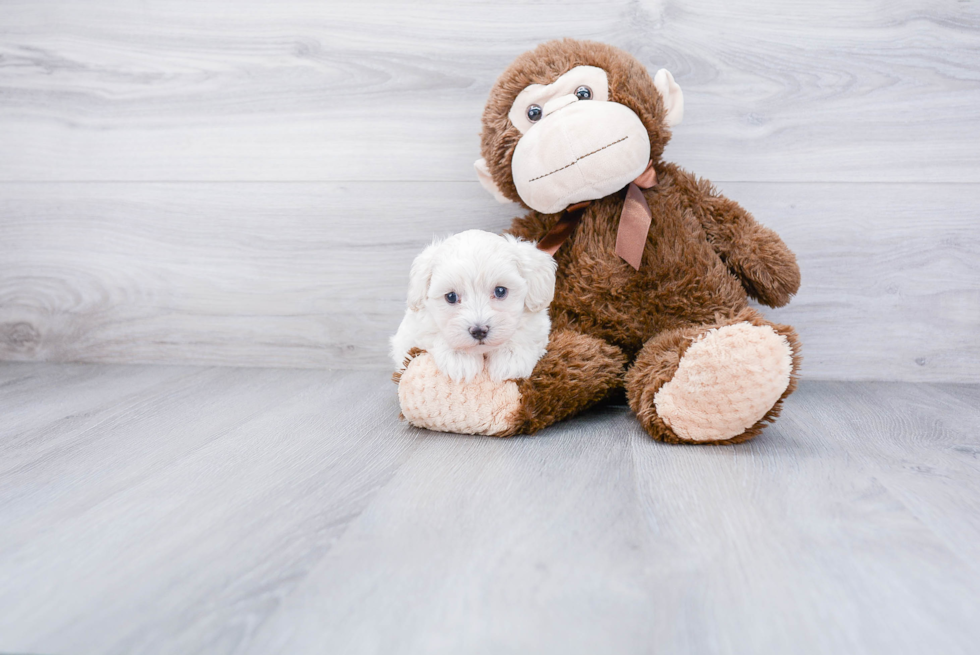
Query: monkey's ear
pixel 420 276
pixel 673 97
pixel 483 172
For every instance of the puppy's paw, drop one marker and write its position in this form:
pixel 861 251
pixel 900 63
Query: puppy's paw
pixel 429 399
pixel 508 364
pixel 458 366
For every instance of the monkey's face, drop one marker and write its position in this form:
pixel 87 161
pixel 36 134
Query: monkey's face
pixel 582 121
pixel 576 144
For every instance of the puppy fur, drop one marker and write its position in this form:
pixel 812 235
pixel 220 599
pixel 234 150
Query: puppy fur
pixel 473 266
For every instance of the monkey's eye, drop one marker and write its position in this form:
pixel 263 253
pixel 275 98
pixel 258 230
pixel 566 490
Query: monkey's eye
pixel 452 298
pixel 583 93
pixel 500 292
pixel 534 113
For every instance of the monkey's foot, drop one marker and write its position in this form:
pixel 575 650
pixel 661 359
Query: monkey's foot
pixel 431 400
pixel 727 381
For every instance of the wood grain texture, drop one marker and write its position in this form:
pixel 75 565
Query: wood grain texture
pixel 196 503
pixel 288 511
pixel 314 275
pixel 246 182
pixel 312 90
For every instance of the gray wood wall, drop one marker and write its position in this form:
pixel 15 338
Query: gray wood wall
pixel 245 183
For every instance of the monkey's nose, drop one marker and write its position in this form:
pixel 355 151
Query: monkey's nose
pixel 479 332
pixel 560 102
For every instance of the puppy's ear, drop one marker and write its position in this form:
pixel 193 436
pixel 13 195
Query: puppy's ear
pixel 538 269
pixel 420 276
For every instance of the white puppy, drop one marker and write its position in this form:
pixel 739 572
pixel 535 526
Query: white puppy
pixel 478 299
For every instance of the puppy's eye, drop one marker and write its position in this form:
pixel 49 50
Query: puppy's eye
pixel 452 298
pixel 583 93
pixel 500 292
pixel 534 113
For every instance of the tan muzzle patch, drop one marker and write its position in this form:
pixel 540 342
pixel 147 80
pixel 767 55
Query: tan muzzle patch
pixel 582 151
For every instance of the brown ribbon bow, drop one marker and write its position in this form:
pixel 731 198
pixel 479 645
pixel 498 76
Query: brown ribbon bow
pixel 634 221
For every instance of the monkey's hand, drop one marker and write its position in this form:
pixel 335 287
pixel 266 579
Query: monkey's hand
pixel 766 267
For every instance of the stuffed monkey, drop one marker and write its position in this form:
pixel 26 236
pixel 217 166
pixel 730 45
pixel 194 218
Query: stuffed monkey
pixel 655 267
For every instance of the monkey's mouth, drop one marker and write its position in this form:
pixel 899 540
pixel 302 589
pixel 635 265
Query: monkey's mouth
pixel 578 159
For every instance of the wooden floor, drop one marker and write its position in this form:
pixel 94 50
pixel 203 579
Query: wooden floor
pixel 150 509
pixel 246 182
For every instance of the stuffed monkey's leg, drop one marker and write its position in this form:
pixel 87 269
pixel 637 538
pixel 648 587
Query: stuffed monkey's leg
pixel 576 372
pixel 716 383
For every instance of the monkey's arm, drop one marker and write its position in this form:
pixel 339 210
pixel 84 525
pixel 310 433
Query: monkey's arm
pixel 753 253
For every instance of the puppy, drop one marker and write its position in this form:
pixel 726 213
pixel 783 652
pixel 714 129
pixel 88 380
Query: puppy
pixel 478 300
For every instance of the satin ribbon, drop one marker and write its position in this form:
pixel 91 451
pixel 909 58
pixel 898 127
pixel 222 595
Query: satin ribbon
pixel 634 221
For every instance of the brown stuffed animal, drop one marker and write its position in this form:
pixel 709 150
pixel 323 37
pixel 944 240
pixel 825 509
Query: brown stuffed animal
pixel 655 268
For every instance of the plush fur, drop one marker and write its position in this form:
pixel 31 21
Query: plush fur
pixel 513 329
pixel 614 326
pixel 431 400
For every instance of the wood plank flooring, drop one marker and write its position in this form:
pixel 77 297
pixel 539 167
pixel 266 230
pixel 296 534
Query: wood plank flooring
pixel 313 275
pixel 229 510
pixel 316 90
pixel 244 182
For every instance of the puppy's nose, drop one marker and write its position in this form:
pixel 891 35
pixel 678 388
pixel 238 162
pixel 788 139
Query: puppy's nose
pixel 479 331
